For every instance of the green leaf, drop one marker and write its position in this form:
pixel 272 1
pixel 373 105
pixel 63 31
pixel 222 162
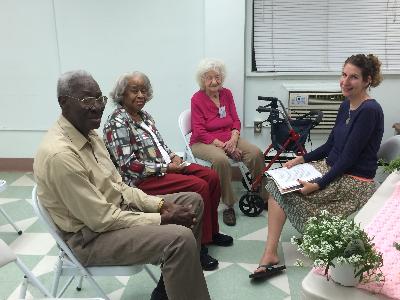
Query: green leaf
pixel 393 165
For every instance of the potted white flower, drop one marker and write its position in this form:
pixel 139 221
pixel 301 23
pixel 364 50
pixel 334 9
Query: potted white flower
pixel 333 242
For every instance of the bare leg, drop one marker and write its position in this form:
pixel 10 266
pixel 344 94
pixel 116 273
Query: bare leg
pixel 276 220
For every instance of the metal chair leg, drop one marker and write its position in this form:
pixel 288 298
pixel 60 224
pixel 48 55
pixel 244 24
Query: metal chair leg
pixel 30 278
pixel 57 274
pixel 19 231
pixel 23 289
pixel 79 286
pixel 151 274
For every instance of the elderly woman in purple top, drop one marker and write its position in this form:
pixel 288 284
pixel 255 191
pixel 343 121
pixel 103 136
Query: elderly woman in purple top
pixel 348 160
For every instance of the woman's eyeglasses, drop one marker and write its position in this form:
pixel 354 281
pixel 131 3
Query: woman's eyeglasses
pixel 136 90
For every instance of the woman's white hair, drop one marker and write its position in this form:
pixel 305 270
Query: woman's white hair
pixel 209 64
pixel 117 93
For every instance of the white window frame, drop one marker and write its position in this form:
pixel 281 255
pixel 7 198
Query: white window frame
pixel 341 56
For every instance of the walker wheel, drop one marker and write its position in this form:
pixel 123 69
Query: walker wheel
pixel 251 204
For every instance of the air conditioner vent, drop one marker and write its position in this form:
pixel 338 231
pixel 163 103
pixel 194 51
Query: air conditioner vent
pixel 301 103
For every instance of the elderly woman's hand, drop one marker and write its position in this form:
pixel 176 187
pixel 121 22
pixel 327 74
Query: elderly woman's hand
pixel 230 146
pixel 218 143
pixel 174 168
pixel 177 160
pixel 236 155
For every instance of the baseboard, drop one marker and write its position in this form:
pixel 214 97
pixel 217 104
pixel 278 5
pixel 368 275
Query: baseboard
pixel 16 164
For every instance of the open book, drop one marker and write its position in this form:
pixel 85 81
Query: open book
pixel 286 179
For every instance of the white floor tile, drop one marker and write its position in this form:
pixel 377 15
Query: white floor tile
pixel 116 295
pixel 222 265
pixel 33 244
pixel 123 279
pixel 46 265
pixel 8 200
pixel 259 235
pixel 30 201
pixel 248 267
pixel 280 281
pixel 23 181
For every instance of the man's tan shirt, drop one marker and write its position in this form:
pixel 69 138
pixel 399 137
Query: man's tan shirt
pixel 79 185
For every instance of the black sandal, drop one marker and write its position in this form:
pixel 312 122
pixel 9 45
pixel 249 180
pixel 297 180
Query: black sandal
pixel 269 271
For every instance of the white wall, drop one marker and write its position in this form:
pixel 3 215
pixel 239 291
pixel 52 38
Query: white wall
pixel 224 38
pixel 164 39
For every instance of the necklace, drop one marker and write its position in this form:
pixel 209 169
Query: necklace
pixel 355 108
pixel 348 119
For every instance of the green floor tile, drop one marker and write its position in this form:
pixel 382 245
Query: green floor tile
pixel 19 192
pixel 36 227
pixel 287 232
pixel 295 277
pixel 241 252
pixel 10 177
pixel 239 286
pixel 17 211
pixel 244 225
pixel 140 286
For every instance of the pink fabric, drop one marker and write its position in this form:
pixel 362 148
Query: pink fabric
pixel 385 227
pixel 386 230
pixel 206 123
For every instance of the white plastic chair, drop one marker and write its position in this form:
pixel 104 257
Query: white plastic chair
pixel 7 256
pixel 3 185
pixel 68 264
pixel 185 127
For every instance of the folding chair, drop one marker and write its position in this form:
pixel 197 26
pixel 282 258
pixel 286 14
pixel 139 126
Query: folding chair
pixel 185 127
pixel 7 256
pixel 3 185
pixel 390 149
pixel 68 264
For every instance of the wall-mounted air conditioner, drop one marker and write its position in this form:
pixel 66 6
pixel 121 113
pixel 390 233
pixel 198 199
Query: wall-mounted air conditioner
pixel 302 102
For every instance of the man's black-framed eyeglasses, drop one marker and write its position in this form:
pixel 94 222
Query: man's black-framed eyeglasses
pixel 90 101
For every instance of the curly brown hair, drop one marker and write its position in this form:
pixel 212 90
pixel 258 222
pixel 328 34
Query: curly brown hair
pixel 369 64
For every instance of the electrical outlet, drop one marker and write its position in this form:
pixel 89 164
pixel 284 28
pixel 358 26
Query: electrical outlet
pixel 257 127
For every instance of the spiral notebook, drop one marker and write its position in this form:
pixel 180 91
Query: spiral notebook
pixel 286 179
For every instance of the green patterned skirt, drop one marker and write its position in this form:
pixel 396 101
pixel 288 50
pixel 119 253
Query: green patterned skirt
pixel 343 196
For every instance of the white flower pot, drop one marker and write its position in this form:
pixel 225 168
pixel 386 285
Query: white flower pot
pixel 343 274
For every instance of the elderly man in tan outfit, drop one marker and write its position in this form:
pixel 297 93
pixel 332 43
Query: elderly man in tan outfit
pixel 104 221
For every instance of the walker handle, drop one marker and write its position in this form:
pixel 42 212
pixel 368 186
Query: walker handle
pixel 261 109
pixel 267 98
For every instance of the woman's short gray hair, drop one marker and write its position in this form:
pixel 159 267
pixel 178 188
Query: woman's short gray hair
pixel 209 64
pixel 117 93
pixel 64 87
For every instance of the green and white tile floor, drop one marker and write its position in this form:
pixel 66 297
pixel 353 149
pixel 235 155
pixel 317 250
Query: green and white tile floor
pixel 37 250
